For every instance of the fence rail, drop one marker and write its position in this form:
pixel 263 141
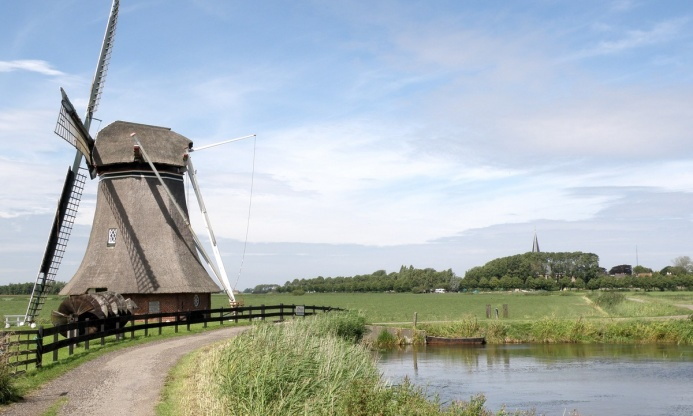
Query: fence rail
pixel 23 348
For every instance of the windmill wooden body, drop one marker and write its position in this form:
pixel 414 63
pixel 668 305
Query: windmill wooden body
pixel 140 246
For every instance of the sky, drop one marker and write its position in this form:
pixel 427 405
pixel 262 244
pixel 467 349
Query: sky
pixel 438 134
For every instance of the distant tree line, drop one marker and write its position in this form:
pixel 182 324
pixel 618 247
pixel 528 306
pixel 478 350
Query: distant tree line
pixel 27 288
pixel 408 279
pixel 529 271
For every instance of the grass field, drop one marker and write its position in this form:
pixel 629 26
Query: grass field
pixel 400 307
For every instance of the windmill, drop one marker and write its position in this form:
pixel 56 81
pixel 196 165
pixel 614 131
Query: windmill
pixel 142 254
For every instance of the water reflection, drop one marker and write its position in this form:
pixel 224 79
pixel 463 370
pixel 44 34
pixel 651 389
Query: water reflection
pixel 594 379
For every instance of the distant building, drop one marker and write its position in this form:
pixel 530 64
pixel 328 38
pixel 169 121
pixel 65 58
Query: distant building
pixel 535 245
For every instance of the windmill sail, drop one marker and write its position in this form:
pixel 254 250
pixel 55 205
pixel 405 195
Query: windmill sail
pixel 57 241
pixel 73 131
pixel 102 66
pixel 76 133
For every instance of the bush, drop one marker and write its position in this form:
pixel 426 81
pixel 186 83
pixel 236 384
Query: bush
pixel 609 300
pixel 8 392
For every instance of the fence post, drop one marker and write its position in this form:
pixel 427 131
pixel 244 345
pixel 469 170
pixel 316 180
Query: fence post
pixel 146 327
pixel 159 324
pixel 177 319
pixel 55 352
pixel 132 329
pixel 505 310
pixel 187 320
pixel 281 312
pixel 71 347
pixel 262 311
pixel 221 316
pixel 103 337
pixel 117 331
pixel 39 347
pixel 488 311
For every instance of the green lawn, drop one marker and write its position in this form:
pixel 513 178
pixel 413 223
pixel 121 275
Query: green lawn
pixel 400 307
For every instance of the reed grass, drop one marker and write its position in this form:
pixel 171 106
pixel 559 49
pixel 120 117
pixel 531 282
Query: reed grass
pixel 554 330
pixel 301 367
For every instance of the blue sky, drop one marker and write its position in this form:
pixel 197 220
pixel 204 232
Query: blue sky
pixel 437 134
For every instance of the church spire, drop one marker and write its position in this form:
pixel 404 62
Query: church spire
pixel 535 245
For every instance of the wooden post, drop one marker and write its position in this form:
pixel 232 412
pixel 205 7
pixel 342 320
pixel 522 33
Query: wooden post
pixel 505 310
pixel 187 319
pixel 221 316
pixel 281 312
pixel 71 347
pixel 177 320
pixel 146 328
pixel 39 347
pixel 55 352
pixel 415 318
pixel 159 325
pixel 132 329
pixel 103 337
pixel 488 311
pixel 262 311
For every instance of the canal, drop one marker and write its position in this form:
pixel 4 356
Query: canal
pixel 553 379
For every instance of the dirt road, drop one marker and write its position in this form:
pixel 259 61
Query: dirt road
pixel 123 382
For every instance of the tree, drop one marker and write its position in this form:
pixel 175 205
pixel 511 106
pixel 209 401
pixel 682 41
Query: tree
pixel 683 262
pixel 641 269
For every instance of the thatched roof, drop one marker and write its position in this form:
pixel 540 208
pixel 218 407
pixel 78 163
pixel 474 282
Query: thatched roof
pixel 114 144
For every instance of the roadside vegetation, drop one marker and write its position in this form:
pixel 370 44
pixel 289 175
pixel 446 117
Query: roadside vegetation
pixel 309 366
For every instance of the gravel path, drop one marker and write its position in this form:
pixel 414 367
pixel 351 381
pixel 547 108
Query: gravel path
pixel 124 382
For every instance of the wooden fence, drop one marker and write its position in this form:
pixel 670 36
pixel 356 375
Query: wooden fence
pixel 23 348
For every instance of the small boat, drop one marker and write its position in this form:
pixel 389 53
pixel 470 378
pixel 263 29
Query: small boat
pixel 455 341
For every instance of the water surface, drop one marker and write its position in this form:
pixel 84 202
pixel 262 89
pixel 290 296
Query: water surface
pixel 553 379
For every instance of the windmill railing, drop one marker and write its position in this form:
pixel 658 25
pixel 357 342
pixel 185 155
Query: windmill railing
pixel 26 349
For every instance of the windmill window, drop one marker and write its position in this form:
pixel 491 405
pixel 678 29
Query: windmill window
pixel 112 233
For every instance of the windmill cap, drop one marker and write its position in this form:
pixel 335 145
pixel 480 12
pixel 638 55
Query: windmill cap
pixel 163 146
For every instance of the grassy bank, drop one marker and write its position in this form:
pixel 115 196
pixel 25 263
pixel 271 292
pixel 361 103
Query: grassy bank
pixel 310 366
pixel 553 330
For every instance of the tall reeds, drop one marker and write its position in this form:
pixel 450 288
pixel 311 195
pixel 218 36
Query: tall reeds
pixel 555 330
pixel 310 366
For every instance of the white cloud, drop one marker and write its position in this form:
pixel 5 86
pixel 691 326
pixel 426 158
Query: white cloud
pixel 41 67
